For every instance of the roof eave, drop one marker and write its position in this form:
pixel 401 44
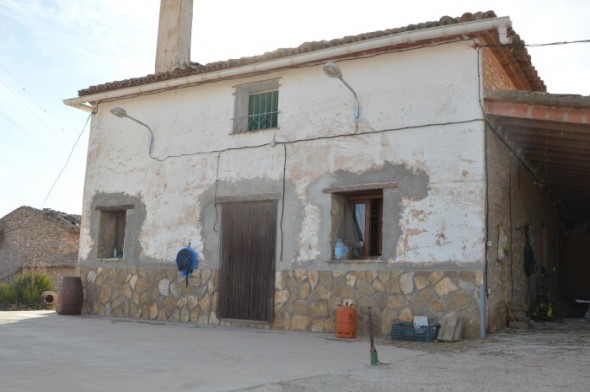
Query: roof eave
pixel 386 43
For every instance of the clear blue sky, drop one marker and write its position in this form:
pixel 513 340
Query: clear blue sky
pixel 49 49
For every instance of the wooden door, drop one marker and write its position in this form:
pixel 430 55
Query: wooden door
pixel 248 248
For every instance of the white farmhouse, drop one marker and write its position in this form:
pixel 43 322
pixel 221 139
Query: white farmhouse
pixel 380 140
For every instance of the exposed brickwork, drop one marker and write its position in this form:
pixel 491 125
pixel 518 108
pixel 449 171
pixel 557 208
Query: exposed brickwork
pixel 494 75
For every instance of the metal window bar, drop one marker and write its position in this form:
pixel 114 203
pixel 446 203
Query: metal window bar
pixel 263 110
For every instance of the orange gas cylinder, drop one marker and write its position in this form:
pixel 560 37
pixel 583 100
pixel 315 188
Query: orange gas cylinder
pixel 346 321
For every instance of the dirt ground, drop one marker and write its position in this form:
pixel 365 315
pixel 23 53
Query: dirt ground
pixel 42 351
pixel 549 357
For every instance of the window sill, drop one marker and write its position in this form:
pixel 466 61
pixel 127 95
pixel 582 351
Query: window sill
pixel 253 131
pixel 356 261
pixel 110 259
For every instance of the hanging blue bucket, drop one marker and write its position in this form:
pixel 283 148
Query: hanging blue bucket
pixel 186 261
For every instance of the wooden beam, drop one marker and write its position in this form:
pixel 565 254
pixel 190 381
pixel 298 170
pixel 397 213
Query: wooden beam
pixel 361 187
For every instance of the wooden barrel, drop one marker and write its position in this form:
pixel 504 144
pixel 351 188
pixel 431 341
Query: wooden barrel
pixel 70 296
pixel 346 321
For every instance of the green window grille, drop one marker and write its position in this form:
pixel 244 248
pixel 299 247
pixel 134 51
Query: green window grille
pixel 256 106
pixel 263 110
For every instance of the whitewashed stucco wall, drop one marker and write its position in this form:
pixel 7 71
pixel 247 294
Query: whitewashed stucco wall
pixel 420 109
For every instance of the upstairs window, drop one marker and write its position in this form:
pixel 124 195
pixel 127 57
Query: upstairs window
pixel 256 106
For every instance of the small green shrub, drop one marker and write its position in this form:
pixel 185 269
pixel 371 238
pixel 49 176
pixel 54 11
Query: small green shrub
pixel 29 286
pixel 31 297
pixel 7 294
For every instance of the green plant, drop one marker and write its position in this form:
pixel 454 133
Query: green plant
pixel 31 296
pixel 7 294
pixel 29 286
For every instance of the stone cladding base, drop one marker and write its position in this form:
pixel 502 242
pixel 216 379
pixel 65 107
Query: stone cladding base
pixel 305 300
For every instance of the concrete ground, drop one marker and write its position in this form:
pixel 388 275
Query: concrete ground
pixel 42 351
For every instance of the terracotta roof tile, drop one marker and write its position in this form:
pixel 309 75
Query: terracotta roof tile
pixel 518 49
pixel 541 98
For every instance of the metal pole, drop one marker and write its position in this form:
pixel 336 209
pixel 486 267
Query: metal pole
pixel 372 349
pixel 482 311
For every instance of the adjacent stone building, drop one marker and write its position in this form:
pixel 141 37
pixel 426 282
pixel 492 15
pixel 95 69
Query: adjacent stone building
pixel 39 240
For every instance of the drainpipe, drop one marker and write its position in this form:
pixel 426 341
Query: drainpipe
pixel 318 56
pixel 482 311
pixel 503 34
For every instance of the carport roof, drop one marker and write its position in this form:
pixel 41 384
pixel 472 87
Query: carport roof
pixel 550 133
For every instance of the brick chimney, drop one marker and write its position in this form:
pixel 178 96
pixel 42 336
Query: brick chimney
pixel 174 35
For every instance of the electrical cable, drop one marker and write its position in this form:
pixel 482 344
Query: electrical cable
pixel 486 169
pixel 283 196
pixel 23 88
pixel 284 143
pixel 67 160
pixel 31 109
pixel 22 175
pixel 525 45
pixel 41 148
pixel 580 41
pixel 12 135
pixel 327 137
pixel 215 194
pixel 511 228
pixel 485 119
pixel 524 163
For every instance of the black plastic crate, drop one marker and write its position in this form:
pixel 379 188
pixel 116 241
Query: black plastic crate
pixel 406 331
